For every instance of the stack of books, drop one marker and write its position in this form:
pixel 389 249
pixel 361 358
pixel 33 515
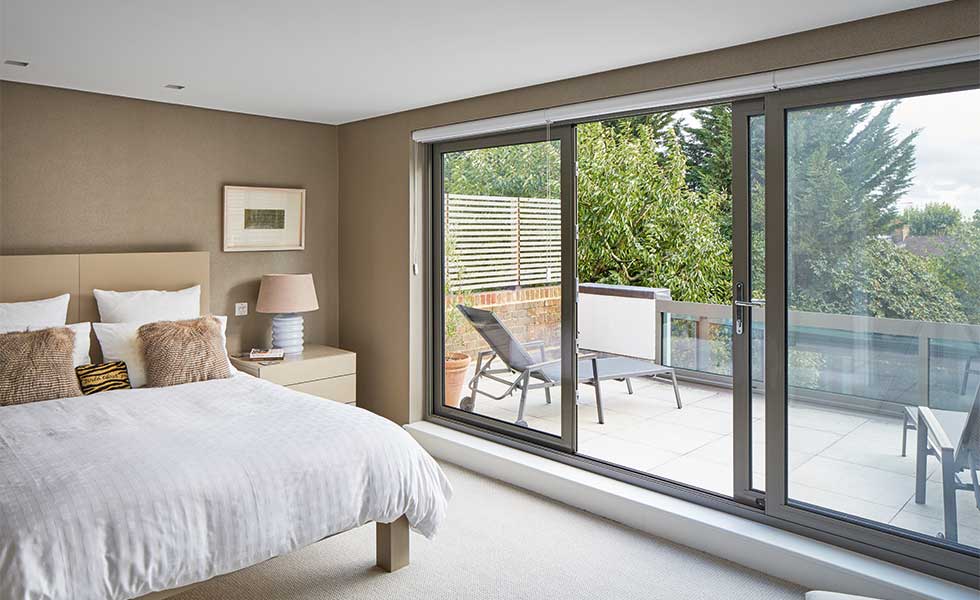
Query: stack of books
pixel 270 354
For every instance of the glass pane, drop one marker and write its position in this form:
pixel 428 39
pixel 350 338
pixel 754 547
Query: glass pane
pixel 883 293
pixel 757 286
pixel 502 215
pixel 699 342
pixel 954 372
pixel 655 266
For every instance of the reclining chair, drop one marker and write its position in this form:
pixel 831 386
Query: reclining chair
pixel 592 369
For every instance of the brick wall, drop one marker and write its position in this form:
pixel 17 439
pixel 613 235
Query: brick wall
pixel 529 313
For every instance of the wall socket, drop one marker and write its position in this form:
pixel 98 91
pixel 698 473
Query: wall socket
pixel 241 309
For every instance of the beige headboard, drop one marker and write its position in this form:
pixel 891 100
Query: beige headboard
pixel 43 276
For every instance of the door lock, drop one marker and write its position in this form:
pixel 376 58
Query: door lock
pixel 739 304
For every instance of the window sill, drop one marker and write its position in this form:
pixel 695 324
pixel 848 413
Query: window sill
pixel 807 562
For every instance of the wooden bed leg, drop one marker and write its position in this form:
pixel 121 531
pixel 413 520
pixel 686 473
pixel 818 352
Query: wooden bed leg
pixel 392 539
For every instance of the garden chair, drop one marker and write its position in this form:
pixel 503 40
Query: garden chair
pixel 935 431
pixel 592 369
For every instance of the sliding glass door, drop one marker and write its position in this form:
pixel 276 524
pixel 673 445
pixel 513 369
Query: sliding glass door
pixel 504 274
pixel 644 211
pixel 873 314
pixel 660 203
pixel 769 305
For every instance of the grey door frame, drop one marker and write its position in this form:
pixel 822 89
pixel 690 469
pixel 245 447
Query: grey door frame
pixel 913 83
pixel 568 439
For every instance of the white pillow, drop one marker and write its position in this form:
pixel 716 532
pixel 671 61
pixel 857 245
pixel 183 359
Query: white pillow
pixel 36 314
pixel 224 342
pixel 83 340
pixel 223 321
pixel 120 341
pixel 148 306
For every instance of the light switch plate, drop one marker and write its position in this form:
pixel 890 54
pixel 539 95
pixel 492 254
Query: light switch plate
pixel 241 309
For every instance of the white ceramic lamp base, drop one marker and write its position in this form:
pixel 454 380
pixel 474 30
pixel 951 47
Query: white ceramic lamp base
pixel 287 333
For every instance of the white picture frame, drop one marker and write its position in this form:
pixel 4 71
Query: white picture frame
pixel 263 219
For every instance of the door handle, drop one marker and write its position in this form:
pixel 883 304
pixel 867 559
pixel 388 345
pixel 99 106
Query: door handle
pixel 739 304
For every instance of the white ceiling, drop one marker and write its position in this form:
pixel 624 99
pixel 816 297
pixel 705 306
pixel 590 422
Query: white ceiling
pixel 333 62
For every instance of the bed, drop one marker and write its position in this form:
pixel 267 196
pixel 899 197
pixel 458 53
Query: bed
pixel 141 493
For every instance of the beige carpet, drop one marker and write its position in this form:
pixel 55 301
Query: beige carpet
pixel 500 542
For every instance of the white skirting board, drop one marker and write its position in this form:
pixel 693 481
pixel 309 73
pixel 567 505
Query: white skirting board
pixel 773 551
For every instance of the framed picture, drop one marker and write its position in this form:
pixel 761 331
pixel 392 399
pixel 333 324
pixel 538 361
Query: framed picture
pixel 262 219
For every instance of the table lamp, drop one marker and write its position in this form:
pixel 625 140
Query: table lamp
pixel 286 295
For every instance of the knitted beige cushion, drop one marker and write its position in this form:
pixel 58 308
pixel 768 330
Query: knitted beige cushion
pixel 177 352
pixel 37 365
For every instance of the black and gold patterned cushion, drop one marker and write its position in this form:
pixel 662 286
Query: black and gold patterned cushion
pixel 100 378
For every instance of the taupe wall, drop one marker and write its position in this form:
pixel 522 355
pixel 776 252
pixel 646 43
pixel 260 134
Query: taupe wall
pixel 380 298
pixel 1 167
pixel 94 173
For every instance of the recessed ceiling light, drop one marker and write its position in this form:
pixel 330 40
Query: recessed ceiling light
pixel 16 63
pixel 174 86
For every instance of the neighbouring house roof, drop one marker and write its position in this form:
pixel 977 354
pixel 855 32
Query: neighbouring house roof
pixel 925 245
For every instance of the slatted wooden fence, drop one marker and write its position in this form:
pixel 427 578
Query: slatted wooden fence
pixel 496 242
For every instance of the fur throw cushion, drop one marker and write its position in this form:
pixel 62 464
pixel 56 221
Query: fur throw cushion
pixel 37 365
pixel 177 352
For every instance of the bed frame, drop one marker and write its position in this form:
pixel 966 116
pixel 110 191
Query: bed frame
pixel 33 277
pixel 43 276
pixel 392 554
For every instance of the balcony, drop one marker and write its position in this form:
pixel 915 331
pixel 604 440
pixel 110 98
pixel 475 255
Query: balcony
pixel 850 381
pixel 844 460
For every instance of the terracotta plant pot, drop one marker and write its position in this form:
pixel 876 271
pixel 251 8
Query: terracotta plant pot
pixel 456 365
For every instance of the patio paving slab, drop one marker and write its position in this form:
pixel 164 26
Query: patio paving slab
pixel 844 503
pixel 699 418
pixel 967 514
pixel 967 536
pixel 857 481
pixel 667 436
pixel 630 454
pixel 878 444
pixel 698 472
pixel 824 420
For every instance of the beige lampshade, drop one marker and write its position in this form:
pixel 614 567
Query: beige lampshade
pixel 286 293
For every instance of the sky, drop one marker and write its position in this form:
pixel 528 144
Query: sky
pixel 947 149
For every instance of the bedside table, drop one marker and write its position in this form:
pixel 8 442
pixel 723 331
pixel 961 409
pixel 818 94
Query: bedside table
pixel 323 371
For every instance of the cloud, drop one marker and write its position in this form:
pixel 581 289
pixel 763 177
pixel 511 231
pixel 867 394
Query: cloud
pixel 947 149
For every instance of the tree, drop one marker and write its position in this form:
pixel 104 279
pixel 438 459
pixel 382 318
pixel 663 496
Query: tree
pixel 757 205
pixel 654 124
pixel 522 170
pixel 846 168
pixel 932 219
pixel 958 268
pixel 708 147
pixel 882 280
pixel 640 224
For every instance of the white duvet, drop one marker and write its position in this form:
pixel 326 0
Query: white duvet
pixel 123 493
